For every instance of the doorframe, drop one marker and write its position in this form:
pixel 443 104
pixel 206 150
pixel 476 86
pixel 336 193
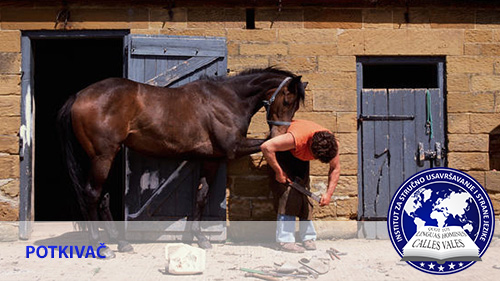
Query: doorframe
pixel 439 61
pixel 27 129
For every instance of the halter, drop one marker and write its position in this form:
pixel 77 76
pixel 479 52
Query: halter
pixel 267 105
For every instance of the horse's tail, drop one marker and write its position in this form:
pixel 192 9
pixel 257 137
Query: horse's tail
pixel 73 154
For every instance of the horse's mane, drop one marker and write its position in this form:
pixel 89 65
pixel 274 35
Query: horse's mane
pixel 251 71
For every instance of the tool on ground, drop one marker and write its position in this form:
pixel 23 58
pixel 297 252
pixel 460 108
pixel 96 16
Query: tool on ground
pixel 261 276
pixel 332 254
pixel 300 188
pixel 273 274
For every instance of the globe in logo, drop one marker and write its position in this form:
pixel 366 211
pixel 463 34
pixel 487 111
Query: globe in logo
pixel 440 221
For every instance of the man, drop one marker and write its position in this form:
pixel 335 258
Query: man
pixel 289 155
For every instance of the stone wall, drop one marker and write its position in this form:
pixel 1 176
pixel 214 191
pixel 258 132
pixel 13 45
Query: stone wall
pixel 320 43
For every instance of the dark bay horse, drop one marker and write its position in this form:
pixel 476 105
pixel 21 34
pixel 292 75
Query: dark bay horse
pixel 206 119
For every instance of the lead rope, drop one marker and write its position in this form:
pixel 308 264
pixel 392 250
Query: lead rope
pixel 428 123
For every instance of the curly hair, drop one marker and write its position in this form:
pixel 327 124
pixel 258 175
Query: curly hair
pixel 324 146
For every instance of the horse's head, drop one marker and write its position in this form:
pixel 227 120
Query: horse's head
pixel 283 102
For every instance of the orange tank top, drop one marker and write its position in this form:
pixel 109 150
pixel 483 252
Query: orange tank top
pixel 302 132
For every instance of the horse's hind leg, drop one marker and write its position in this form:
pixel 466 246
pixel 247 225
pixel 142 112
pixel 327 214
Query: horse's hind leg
pixel 208 174
pixel 110 226
pixel 100 166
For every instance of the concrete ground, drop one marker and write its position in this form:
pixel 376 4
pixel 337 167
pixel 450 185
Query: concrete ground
pixel 364 260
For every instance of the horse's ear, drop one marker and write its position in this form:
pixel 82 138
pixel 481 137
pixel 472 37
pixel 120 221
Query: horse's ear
pixel 304 84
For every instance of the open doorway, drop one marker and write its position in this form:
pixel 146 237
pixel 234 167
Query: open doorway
pixel 63 66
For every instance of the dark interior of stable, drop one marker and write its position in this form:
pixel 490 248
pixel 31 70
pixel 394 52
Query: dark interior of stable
pixel 62 67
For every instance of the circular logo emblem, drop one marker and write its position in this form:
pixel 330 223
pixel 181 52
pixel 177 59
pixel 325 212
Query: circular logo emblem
pixel 441 221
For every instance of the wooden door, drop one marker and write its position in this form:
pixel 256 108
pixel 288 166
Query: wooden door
pixel 402 132
pixel 150 192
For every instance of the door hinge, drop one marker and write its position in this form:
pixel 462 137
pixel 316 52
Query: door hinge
pixel 363 118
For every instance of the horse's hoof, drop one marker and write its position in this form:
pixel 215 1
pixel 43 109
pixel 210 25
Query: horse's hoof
pixel 124 247
pixel 205 244
pixel 106 253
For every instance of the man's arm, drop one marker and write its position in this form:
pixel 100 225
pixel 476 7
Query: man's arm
pixel 270 147
pixel 333 179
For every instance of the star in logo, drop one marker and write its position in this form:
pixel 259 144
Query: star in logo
pixel 441 268
pixel 422 264
pixel 431 266
pixel 452 266
pixel 461 264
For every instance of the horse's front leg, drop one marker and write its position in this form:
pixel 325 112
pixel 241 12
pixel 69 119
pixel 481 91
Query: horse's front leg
pixel 208 174
pixel 248 146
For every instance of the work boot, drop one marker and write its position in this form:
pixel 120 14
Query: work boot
pixel 309 245
pixel 291 247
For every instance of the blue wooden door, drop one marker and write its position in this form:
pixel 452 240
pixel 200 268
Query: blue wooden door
pixel 402 132
pixel 150 195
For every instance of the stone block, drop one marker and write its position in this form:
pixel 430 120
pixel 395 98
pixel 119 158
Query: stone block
pixel 484 83
pixel 475 35
pixel 452 18
pixel 348 164
pixel 347 186
pixel 434 42
pixel 335 100
pixel 8 213
pixel 160 19
pixel 472 49
pixel 9 144
pixel 471 102
pixel 419 18
pixel 457 83
pixel 347 122
pixel 467 161
pixel 319 169
pixel 10 41
pixel 266 18
pixel 216 18
pixel 312 49
pixel 484 123
pixel 351 42
pixel 195 32
pixel 468 142
pixel 252 35
pixel 492 181
pixel 8 231
pixel 296 35
pixel 348 143
pixel 9 166
pixel 263 209
pixel 487 19
pixel 108 18
pixel 325 119
pixel 10 85
pixel 325 212
pixel 239 63
pixel 251 186
pixel 10 125
pixel 239 209
pixel 333 18
pixel 333 81
pixel 25 18
pixel 347 207
pixel 299 64
pixel 272 49
pixel 258 126
pixel 10 63
pixel 377 19
pixel 336 63
pixel 492 49
pixel 476 64
pixel 248 165
pixel 10 105
pixel 10 187
pixel 479 176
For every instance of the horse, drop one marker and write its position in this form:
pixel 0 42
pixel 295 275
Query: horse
pixel 206 119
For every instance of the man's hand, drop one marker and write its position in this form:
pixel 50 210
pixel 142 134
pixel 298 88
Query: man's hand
pixel 282 177
pixel 325 199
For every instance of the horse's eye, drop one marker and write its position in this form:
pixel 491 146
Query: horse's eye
pixel 286 103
